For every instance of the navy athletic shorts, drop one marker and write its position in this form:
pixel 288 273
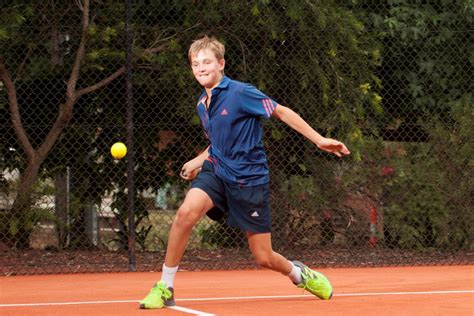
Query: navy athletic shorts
pixel 247 207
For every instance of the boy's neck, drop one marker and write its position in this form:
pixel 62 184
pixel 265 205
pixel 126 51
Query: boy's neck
pixel 209 90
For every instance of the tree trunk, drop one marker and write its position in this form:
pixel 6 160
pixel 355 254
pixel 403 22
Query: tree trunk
pixel 18 233
pixel 19 237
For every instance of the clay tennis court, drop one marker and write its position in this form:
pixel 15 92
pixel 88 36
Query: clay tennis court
pixel 440 290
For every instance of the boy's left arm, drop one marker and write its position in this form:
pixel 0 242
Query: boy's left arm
pixel 292 119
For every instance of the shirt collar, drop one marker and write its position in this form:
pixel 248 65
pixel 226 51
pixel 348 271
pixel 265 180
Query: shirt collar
pixel 224 83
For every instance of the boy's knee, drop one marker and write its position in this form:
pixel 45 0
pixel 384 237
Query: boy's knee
pixel 186 216
pixel 264 261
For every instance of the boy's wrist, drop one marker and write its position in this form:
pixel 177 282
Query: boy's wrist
pixel 196 163
pixel 318 139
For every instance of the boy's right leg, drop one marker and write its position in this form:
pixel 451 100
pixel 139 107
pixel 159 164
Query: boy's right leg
pixel 195 205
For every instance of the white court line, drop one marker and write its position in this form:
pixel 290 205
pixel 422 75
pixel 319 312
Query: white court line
pixel 190 311
pixel 178 308
pixel 408 293
pixel 233 298
pixel 309 295
pixel 67 303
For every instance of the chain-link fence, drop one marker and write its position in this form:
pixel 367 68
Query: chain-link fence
pixel 393 80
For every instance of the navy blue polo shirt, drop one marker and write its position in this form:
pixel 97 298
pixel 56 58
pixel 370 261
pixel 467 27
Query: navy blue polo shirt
pixel 233 125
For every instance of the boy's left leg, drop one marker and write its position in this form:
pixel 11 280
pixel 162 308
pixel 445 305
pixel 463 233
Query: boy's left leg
pixel 314 282
pixel 261 247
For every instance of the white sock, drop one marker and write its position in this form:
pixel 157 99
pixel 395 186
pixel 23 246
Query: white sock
pixel 295 274
pixel 168 275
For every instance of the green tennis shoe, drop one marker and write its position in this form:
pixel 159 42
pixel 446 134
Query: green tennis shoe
pixel 314 282
pixel 159 297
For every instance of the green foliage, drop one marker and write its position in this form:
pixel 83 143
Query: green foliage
pixel 414 208
pixel 28 221
pixel 323 44
pixel 429 199
pixel 330 71
pixel 354 79
pixel 436 37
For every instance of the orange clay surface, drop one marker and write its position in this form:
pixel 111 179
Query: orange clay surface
pixel 442 290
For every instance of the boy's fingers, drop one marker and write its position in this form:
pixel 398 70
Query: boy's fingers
pixel 343 149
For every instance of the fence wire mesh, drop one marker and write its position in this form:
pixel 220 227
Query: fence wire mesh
pixel 392 79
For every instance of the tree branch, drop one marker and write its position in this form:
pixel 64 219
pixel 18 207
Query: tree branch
pixel 65 111
pixel 14 111
pixel 71 84
pixel 153 50
pixel 22 66
pixel 116 74
pixel 101 83
pixel 121 70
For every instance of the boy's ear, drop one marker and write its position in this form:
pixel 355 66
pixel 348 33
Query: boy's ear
pixel 222 64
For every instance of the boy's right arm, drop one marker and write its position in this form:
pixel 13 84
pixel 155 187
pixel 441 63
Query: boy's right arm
pixel 191 168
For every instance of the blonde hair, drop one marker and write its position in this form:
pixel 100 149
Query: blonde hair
pixel 207 42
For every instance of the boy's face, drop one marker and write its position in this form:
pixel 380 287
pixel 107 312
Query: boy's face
pixel 207 69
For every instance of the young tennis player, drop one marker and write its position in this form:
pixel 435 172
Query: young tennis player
pixel 232 173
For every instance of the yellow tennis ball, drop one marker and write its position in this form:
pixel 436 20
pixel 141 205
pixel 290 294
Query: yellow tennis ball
pixel 118 150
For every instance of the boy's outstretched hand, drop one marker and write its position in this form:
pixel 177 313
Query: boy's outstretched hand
pixel 333 146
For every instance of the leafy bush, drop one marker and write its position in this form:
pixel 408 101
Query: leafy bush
pixel 429 200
